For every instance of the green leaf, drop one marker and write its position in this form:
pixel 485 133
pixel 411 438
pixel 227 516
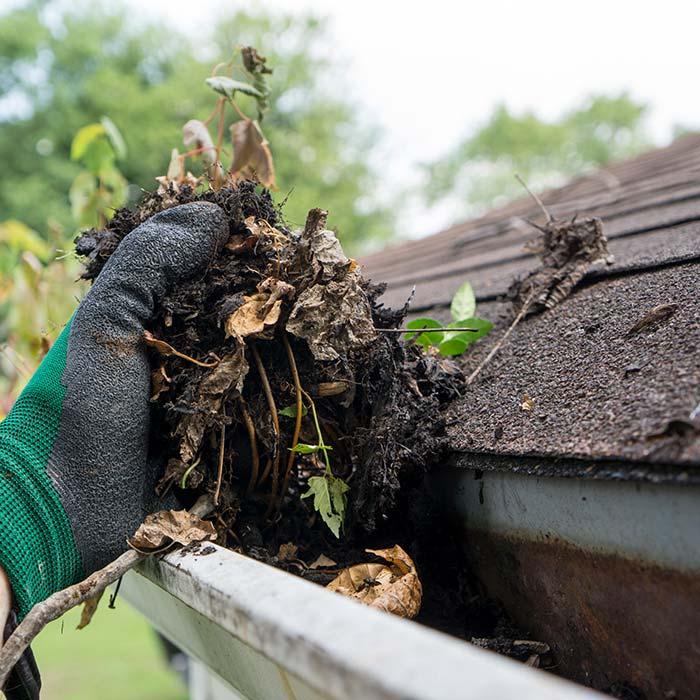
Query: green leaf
pixel 304 449
pixel 82 140
pixel 463 302
pixel 425 340
pixel 291 411
pixel 115 138
pixel 454 346
pixel 329 500
pixel 481 324
pixel 456 342
pixel 228 86
pixel 81 193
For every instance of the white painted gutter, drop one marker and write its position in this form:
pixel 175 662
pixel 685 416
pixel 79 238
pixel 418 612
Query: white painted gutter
pixel 268 635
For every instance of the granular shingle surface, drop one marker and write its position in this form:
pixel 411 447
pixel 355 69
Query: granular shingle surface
pixel 599 391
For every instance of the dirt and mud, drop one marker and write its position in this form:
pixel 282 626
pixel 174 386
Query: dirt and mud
pixel 283 319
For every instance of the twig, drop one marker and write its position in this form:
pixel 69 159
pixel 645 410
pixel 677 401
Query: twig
pixel 535 197
pixel 60 602
pixel 273 412
pixel 220 471
pixel 297 431
pixel 425 330
pixel 502 339
pixel 254 457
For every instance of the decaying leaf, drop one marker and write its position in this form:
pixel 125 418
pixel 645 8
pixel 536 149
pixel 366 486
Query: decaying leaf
pixel 259 313
pixel 195 135
pixel 228 376
pixel 287 551
pixel 89 610
pixel 321 562
pixel 160 382
pixel 167 527
pixel 653 318
pixel 567 250
pixel 251 153
pixel 333 315
pixel 393 587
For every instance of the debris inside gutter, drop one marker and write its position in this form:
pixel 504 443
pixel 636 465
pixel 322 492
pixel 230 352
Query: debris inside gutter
pixel 276 391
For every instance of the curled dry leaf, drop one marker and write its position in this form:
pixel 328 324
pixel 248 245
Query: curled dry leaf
pixel 321 562
pixel 393 587
pixel 195 136
pixel 160 382
pixel 251 153
pixel 166 527
pixel 258 315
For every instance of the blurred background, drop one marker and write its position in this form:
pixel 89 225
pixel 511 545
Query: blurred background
pixel 399 118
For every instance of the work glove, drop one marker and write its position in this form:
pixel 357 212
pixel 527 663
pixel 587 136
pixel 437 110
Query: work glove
pixel 76 477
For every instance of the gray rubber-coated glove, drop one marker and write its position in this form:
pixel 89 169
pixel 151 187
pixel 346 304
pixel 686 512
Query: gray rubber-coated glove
pixel 76 478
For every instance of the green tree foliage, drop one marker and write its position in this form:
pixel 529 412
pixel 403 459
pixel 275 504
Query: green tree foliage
pixel 58 73
pixel 545 153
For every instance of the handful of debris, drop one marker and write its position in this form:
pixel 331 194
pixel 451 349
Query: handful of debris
pixel 274 388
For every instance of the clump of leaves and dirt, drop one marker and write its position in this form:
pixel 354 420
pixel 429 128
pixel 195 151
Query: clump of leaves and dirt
pixel 281 387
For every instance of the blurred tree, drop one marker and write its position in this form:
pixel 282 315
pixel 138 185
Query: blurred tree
pixel 62 69
pixel 480 171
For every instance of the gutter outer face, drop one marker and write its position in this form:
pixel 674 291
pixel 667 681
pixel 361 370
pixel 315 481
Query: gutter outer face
pixel 267 635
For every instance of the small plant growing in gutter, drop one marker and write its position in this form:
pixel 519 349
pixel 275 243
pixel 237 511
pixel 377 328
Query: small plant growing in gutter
pixel 451 340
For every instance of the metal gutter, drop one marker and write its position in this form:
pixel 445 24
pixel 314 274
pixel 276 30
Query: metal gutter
pixel 605 571
pixel 267 635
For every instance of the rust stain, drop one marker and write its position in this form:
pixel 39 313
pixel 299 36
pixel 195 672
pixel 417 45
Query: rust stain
pixel 608 619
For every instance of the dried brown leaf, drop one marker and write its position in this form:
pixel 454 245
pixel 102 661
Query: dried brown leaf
pixel 322 561
pixel 160 382
pixel 287 551
pixel 162 529
pixel 251 153
pixel 228 376
pixel 393 587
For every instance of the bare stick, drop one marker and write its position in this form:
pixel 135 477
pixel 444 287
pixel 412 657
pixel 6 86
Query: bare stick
pixel 297 430
pixel 425 330
pixel 60 602
pixel 254 457
pixel 273 412
pixel 501 340
pixel 535 197
pixel 220 472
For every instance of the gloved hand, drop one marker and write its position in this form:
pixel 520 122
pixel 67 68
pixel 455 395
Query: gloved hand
pixel 75 473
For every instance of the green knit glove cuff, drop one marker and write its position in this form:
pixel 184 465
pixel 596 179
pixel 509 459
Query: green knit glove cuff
pixel 37 548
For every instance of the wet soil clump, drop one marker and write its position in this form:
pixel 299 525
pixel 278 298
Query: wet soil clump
pixel 282 319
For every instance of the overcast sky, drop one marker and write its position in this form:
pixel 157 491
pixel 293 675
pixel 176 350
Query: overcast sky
pixel 545 55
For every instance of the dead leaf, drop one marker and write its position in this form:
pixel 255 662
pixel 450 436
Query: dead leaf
pixel 251 153
pixel 653 318
pixel 287 551
pixel 88 611
pixel 160 382
pixel 195 136
pixel 254 318
pixel 322 561
pixel 335 318
pixel 167 527
pixel 393 588
pixel 528 403
pixel 567 249
pixel 259 313
pixel 228 376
